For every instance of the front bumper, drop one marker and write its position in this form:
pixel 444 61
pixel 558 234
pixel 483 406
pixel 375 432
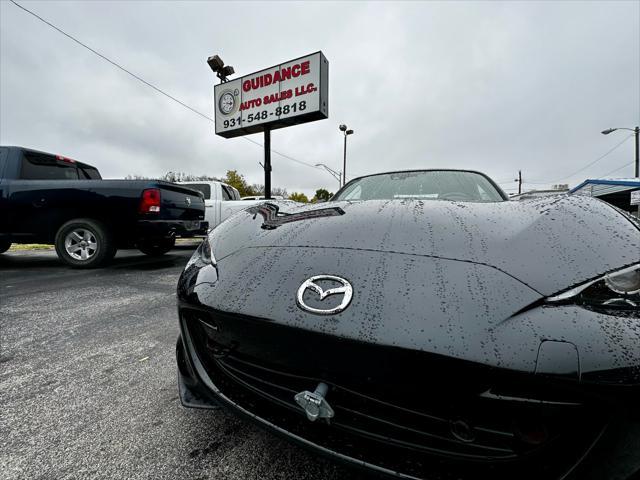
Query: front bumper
pixel 377 431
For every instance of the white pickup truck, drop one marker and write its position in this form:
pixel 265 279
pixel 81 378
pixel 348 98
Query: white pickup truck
pixel 220 200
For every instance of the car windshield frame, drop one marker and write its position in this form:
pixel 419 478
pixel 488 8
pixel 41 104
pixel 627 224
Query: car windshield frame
pixel 346 190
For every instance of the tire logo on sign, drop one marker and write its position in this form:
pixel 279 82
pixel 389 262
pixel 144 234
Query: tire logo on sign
pixel 228 102
pixel 310 284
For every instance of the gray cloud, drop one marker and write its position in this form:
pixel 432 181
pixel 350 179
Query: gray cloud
pixel 494 86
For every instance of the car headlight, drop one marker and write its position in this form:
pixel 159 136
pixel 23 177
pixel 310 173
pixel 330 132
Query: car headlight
pixel 616 290
pixel 206 252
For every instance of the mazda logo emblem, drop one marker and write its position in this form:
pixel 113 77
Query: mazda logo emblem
pixel 310 284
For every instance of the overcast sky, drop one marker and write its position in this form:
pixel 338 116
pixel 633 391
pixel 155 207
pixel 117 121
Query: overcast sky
pixel 492 86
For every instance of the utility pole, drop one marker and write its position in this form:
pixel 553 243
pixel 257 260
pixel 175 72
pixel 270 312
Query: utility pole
pixel 519 180
pixel 636 132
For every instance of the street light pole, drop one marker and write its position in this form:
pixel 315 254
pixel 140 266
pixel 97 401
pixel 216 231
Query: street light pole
pixel 636 132
pixel 343 128
pixel 332 172
pixel 344 164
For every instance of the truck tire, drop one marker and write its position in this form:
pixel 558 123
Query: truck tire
pixel 157 247
pixel 84 243
pixel 4 245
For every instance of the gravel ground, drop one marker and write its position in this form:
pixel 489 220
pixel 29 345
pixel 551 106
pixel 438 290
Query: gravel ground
pixel 88 381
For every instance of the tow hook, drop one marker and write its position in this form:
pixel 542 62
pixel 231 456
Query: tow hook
pixel 314 404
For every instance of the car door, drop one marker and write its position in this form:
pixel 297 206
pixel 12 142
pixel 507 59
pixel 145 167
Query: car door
pixel 42 185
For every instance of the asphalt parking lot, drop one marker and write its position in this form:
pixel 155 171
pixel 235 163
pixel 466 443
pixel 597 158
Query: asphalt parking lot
pixel 88 381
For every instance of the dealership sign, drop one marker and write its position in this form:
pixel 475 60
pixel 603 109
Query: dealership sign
pixel 287 94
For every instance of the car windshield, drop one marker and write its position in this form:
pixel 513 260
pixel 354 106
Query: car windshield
pixel 423 185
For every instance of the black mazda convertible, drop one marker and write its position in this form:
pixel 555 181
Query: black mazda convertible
pixel 420 325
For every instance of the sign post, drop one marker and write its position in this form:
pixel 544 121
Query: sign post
pixel 281 96
pixel 267 162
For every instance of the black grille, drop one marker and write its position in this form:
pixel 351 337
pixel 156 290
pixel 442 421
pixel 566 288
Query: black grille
pixel 412 431
pixel 362 415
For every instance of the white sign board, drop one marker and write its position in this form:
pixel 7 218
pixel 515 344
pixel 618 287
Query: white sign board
pixel 287 94
pixel 635 197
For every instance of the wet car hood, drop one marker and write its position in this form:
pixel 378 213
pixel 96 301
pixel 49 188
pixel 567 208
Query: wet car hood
pixel 549 244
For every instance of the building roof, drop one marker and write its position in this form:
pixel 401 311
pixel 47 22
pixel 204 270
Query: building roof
pixel 536 194
pixel 604 186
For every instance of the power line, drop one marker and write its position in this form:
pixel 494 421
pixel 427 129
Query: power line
pixel 207 117
pixel 283 154
pixel 620 168
pixel 140 79
pixel 586 166
pixel 111 61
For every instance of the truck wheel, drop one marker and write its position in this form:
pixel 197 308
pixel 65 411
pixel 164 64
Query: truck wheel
pixel 157 247
pixel 4 245
pixel 84 243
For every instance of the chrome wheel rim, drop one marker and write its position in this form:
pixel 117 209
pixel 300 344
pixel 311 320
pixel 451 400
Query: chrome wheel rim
pixel 81 244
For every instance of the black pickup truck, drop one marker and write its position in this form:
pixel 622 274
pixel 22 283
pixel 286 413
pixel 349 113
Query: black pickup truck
pixel 46 198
